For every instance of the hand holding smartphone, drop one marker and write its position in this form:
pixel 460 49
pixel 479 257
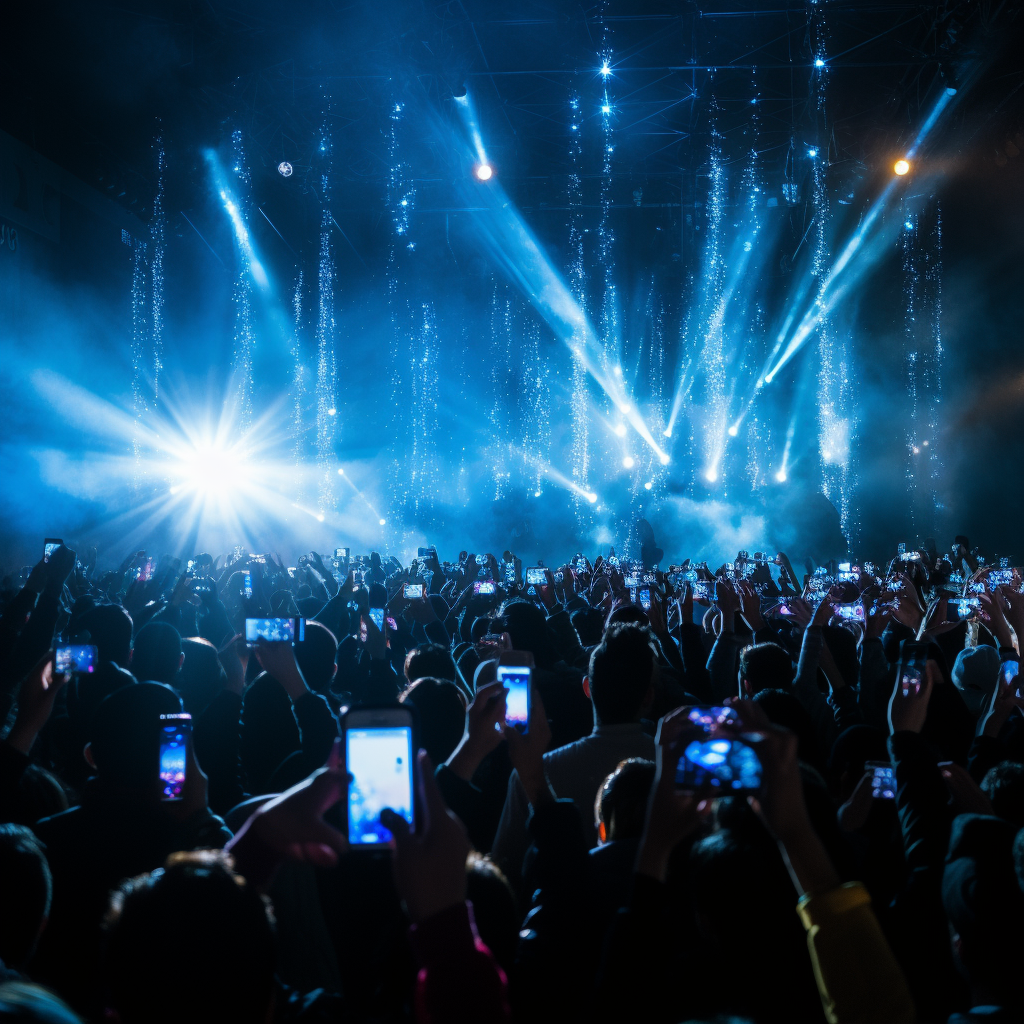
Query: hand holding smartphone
pixel 75 658
pixel 515 673
pixel 174 734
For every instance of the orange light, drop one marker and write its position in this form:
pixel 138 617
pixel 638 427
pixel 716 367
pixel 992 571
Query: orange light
pixel 901 167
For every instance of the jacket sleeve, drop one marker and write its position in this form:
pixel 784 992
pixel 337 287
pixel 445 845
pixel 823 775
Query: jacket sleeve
pixel 875 689
pixel 858 976
pixel 696 677
pixel 511 841
pixel 458 981
pixel 805 686
pixel 722 664
pixel 470 806
pixel 217 736
pixel 318 728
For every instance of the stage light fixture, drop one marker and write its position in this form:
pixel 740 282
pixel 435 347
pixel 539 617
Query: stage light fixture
pixel 734 430
pixel 812 153
pixel 591 497
pixel 341 472
pixel 605 109
pixel 781 476
pixel 605 70
pixel 382 522
pixel 818 62
pixel 711 475
pixel 648 485
pixel 285 169
pixel 536 494
pixel 618 371
pixel 664 459
pixel 627 462
pixel 484 172
pixel 901 167
pixel 667 432
pixel 332 411
pixel 320 517
pixel 620 430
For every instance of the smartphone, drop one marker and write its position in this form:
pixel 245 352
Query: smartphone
pixel 706 717
pixel 392 624
pixel 146 571
pixel 851 612
pixel 190 565
pixel 632 581
pixel 379 759
pixel 341 553
pixel 912 666
pixel 644 595
pixel 492 642
pixel 75 658
pixel 377 615
pixel 1000 578
pixel 484 587
pixel 535 577
pixel 275 631
pixel 962 609
pixel 50 544
pixel 247 585
pixel 701 590
pixel 847 576
pixel 883 779
pixel 728 765
pixel 516 679
pixel 424 552
pixel 1004 563
pixel 412 591
pixel 174 732
pixel 202 586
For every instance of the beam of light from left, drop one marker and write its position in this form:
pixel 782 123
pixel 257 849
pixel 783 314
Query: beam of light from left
pixel 514 247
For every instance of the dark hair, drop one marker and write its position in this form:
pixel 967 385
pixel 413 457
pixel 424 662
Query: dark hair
pixel 220 929
pixel 627 613
pixel 766 667
pixel 441 709
pixel 157 653
pixel 25 892
pixel 621 670
pixel 589 625
pixel 124 734
pixel 622 798
pixel 494 908
pixel 317 656
pixel 527 625
pixel 1004 786
pixel 29 1003
pixel 201 677
pixel 784 708
pixel 431 660
pixel 110 629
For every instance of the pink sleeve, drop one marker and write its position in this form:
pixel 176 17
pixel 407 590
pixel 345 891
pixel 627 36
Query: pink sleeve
pixel 459 981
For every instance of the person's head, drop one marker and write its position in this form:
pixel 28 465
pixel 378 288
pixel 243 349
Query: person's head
pixel 620 681
pixel 124 737
pixel 201 676
pixel 784 708
pixel 429 660
pixel 852 748
pixel 764 667
pixel 528 628
pixel 984 906
pixel 441 709
pixel 317 656
pixel 494 908
pixel 157 654
pixel 216 928
pixel 975 673
pixel 21 1002
pixel 1004 786
pixel 627 613
pixel 25 891
pixel 621 803
pixel 110 629
pixel 589 626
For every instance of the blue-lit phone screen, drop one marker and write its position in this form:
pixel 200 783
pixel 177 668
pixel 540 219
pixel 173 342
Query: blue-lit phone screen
pixel 380 763
pixel 172 760
pixel 516 679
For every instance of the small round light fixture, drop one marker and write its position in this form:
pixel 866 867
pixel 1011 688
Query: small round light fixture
pixel 901 167
pixel 484 172
pixel 285 169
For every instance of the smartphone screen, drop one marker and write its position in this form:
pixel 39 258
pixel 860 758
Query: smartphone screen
pixel 535 577
pixel 516 679
pixel 483 587
pixel 706 717
pixel 174 730
pixel 883 780
pixel 49 546
pixel 413 591
pixel 247 586
pixel 1000 578
pixel 913 661
pixel 379 759
pixel 275 631
pixel 377 615
pixel 341 552
pixel 644 595
pixel 701 590
pixel 75 658
pixel 1010 670
pixel 727 765
pixel 851 612
pixel 962 609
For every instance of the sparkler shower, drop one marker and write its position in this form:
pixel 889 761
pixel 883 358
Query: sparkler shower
pixel 525 275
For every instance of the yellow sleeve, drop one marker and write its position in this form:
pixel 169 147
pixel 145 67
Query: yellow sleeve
pixel 858 978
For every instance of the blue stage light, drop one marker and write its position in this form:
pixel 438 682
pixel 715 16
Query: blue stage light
pixel 285 169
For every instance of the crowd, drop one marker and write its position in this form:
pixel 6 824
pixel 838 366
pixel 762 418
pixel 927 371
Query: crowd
pixel 865 862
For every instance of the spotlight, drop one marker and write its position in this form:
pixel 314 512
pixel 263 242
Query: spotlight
pixel 711 475
pixel 665 460
pixel 382 522
pixel 341 472
pixel 591 497
pixel 627 462
pixel 734 430
pixel 332 411
pixel 917 451
pixel 484 172
pixel 621 430
pixel 924 444
pixel 667 432
pixel 909 225
pixel 812 153
pixel 605 109
pixel 285 169
pixel 605 70
pixel 901 167
pixel 781 476
pixel 819 63
pixel 536 494
pixel 320 518
pixel 618 371
pixel 459 92
pixel 648 485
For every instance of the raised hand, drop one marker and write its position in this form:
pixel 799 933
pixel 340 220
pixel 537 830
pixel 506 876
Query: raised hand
pixel 485 719
pixel 526 750
pixel 35 703
pixel 907 711
pixel 279 660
